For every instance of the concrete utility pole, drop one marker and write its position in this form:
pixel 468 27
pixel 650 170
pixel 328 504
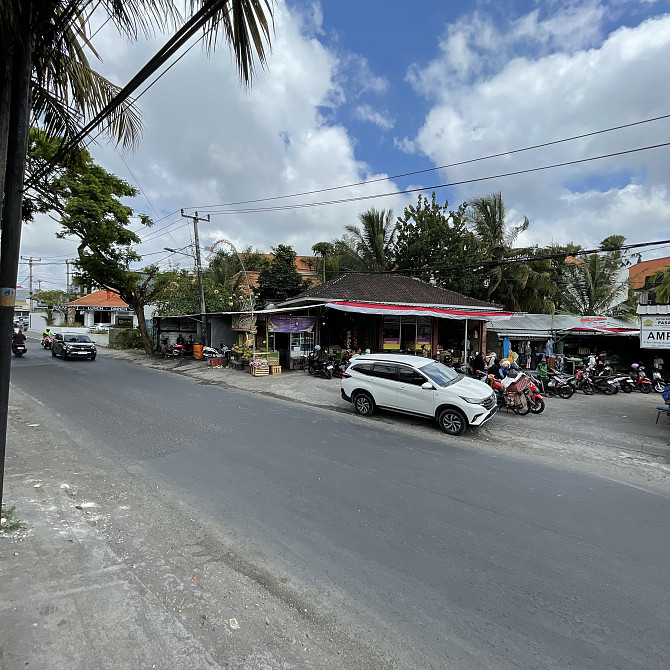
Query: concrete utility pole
pixel 203 309
pixel 30 260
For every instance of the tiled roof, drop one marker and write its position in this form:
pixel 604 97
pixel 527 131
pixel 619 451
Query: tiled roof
pixel 101 298
pixel 303 264
pixel 388 288
pixel 639 272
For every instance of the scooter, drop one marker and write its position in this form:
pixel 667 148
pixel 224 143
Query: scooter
pixel 640 380
pixel 339 366
pixel 319 368
pixel 657 382
pixel 18 349
pixel 511 393
pixel 213 352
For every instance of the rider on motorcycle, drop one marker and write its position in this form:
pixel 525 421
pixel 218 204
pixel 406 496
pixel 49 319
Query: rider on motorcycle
pixel 18 338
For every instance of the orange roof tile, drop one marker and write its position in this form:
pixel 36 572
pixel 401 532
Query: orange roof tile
pixel 102 298
pixel 638 273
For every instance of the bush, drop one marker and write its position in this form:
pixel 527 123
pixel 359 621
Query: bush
pixel 129 338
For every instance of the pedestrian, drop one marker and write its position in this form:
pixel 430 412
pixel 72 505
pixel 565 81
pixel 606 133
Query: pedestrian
pixel 424 351
pixel 180 339
pixel 543 373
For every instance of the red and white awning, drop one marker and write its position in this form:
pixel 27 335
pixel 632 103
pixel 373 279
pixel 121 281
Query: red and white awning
pixel 603 330
pixel 415 310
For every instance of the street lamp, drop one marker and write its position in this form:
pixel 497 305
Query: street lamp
pixel 249 292
pixel 203 308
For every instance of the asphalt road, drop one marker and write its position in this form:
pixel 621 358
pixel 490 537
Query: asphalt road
pixel 433 554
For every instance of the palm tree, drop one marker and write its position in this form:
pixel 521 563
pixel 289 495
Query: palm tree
pixel 372 247
pixel 512 277
pixel 598 284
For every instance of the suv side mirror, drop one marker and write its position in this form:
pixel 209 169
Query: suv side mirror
pixel 427 386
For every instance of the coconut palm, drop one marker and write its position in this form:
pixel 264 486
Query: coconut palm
pixel 511 278
pixel 370 248
pixel 598 283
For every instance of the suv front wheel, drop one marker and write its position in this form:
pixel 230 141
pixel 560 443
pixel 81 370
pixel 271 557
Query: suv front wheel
pixel 364 404
pixel 452 421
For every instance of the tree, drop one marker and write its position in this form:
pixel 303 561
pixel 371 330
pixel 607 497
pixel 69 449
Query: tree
pixel 327 252
pixel 661 282
pixel 598 283
pixel 511 277
pixel 280 280
pixel 430 236
pixel 54 301
pixel 181 294
pixel 372 247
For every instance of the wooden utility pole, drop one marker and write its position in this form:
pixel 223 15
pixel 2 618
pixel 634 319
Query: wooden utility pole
pixel 30 260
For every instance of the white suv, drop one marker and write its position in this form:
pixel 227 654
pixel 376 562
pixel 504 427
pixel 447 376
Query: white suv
pixel 418 386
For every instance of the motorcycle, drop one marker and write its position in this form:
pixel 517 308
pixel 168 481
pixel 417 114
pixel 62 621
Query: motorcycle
pixel 511 393
pixel 18 349
pixel 554 385
pixel 640 380
pixel 583 383
pixel 657 382
pixel 534 398
pixel 339 366
pixel 47 341
pixel 319 368
pixel 603 383
pixel 213 352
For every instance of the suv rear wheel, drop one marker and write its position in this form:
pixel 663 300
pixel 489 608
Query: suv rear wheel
pixel 452 421
pixel 363 403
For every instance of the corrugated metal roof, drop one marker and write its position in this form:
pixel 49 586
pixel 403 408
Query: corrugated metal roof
pixel 541 326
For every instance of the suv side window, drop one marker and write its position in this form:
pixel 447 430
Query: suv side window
pixel 409 375
pixel 384 370
pixel 363 368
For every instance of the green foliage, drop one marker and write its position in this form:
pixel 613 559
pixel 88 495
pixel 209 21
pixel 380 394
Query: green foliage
pixel 370 248
pixel 130 338
pixel 87 199
pixel 661 282
pixel 180 294
pixel 429 235
pixel 598 284
pixel 280 280
pixel 52 298
pixel 516 283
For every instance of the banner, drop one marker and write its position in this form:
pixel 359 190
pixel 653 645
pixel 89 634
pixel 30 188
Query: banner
pixel 291 324
pixel 655 332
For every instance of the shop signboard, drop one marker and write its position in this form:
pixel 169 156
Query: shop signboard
pixel 655 332
pixel 291 324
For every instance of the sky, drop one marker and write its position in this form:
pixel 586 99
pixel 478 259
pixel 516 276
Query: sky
pixel 373 91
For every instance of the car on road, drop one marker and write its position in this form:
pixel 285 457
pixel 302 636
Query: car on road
pixel 73 345
pixel 417 386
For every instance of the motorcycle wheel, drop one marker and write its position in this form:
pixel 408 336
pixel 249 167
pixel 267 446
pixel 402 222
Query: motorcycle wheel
pixel 645 388
pixel 537 406
pixel 658 386
pixel 566 392
pixel 310 370
pixel 588 388
pixel 329 374
pixel 522 411
pixel 626 388
pixel 607 390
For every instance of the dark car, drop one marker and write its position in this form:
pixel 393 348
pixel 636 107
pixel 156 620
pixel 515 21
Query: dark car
pixel 73 345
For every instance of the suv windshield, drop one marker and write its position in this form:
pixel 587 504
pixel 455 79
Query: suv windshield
pixel 440 374
pixel 76 338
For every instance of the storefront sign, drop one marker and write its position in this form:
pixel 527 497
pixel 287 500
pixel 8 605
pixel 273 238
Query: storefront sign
pixel 655 332
pixel 291 324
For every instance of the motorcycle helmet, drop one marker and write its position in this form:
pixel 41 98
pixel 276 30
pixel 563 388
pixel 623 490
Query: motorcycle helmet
pixel 635 366
pixel 317 347
pixel 505 365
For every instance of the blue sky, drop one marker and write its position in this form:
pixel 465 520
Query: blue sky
pixel 370 90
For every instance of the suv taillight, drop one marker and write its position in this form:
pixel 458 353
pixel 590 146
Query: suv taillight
pixel 345 375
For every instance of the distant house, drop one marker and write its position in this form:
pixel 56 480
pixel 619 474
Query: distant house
pixel 654 316
pixel 103 307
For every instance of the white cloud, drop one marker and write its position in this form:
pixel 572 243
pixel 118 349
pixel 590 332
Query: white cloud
pixel 368 114
pixel 527 101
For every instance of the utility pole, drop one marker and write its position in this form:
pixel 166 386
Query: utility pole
pixel 30 260
pixel 203 309
pixel 67 278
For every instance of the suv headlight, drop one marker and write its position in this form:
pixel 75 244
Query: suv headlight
pixel 473 401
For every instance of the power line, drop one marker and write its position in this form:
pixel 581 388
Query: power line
pixel 255 210
pixel 441 167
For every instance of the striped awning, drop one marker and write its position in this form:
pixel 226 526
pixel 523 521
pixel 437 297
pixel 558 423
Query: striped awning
pixel 416 310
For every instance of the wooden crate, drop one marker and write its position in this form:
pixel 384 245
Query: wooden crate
pixel 260 372
pixel 275 369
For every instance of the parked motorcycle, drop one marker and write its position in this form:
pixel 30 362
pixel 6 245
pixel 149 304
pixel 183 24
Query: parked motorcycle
pixel 213 352
pixel 603 383
pixel 18 349
pixel 339 366
pixel 657 382
pixel 640 380
pixel 554 385
pixel 583 383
